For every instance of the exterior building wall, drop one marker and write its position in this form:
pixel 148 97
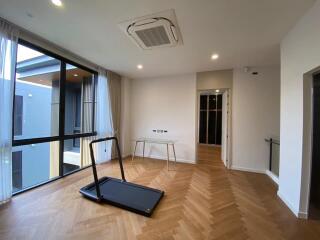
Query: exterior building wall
pixel 36 121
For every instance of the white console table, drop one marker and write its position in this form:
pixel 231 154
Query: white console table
pixel 156 141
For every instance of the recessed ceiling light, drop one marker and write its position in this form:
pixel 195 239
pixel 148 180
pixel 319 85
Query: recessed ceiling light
pixel 76 75
pixel 214 56
pixel 139 66
pixel 57 2
pixel 217 91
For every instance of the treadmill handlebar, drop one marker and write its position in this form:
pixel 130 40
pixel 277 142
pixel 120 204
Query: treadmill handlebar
pixel 93 161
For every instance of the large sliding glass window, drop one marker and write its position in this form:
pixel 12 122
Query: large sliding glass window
pixel 78 100
pixel 53 116
pixel 37 88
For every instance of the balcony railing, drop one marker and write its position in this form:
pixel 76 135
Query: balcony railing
pixel 274 155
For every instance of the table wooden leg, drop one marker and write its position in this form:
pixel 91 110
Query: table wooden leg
pixel 134 153
pixel 144 144
pixel 174 153
pixel 168 157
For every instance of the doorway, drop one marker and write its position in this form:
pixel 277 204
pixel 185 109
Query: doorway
pixel 314 204
pixel 213 121
pixel 210 122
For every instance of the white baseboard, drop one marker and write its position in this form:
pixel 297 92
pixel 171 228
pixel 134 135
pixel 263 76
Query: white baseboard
pixel 289 205
pixel 273 177
pixel 165 158
pixel 248 169
pixel 303 215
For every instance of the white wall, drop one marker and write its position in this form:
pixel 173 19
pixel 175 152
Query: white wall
pixel 125 124
pixel 300 53
pixel 255 116
pixel 214 79
pixel 167 103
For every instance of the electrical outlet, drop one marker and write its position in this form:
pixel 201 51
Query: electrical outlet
pixel 159 131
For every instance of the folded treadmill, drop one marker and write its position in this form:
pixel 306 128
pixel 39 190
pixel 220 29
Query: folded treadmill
pixel 118 192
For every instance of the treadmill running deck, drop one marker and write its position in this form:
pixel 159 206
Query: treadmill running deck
pixel 130 196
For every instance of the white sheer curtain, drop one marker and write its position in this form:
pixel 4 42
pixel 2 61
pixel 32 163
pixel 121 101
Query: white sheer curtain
pixel 8 53
pixel 103 119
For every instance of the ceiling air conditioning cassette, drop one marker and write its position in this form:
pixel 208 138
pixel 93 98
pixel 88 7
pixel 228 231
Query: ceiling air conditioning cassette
pixel 154 31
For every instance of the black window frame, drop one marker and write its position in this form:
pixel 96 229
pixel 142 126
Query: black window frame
pixel 61 136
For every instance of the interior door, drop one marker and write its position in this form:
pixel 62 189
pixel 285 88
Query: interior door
pixel 314 209
pixel 219 120
pixel 203 119
pixel 210 119
pixel 224 127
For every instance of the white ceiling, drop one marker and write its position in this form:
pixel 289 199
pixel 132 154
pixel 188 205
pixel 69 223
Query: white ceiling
pixel 243 32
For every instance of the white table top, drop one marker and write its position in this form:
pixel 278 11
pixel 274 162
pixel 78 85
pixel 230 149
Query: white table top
pixel 155 140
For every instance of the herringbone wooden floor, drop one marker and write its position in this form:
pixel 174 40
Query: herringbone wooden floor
pixel 202 201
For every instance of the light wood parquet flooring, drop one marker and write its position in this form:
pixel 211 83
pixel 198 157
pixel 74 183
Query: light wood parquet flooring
pixel 202 201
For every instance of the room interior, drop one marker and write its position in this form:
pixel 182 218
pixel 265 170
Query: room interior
pixel 159 119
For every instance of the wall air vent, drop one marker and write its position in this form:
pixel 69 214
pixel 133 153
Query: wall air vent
pixel 154 31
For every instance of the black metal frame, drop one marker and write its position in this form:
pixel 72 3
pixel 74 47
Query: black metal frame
pixel 62 81
pixel 54 55
pixel 62 100
pixel 61 136
pixel 118 202
pixel 22 142
pixel 93 163
pixel 271 142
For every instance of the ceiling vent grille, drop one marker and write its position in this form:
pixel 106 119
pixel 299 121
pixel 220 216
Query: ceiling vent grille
pixel 154 31
pixel 155 36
